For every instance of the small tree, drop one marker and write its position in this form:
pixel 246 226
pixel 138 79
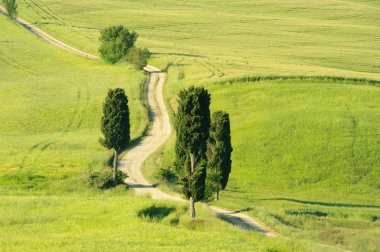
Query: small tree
pixel 192 127
pixel 219 153
pixel 116 42
pixel 11 7
pixel 115 123
pixel 138 57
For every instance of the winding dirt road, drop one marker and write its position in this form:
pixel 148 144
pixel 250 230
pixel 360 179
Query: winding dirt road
pixel 157 135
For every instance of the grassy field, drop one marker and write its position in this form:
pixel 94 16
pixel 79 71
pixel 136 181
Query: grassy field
pixel 50 109
pixel 219 38
pixel 112 221
pixel 305 157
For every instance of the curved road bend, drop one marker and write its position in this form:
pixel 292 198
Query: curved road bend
pixel 159 132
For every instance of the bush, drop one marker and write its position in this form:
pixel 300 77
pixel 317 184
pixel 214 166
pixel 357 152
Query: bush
pixel 11 7
pixel 138 57
pixel 103 179
pixel 168 174
pixel 116 42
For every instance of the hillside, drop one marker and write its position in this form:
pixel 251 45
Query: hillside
pixel 306 144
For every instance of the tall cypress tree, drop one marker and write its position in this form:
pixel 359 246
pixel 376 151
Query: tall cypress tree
pixel 192 127
pixel 115 123
pixel 219 153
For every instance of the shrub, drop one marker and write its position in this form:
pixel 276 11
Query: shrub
pixel 11 7
pixel 103 179
pixel 116 42
pixel 168 174
pixel 138 57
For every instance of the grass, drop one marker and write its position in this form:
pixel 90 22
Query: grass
pixel 110 221
pixel 50 109
pixel 305 157
pixel 219 38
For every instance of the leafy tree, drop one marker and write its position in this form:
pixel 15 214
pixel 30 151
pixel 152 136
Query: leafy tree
pixel 115 123
pixel 11 7
pixel 219 153
pixel 116 42
pixel 192 127
pixel 138 57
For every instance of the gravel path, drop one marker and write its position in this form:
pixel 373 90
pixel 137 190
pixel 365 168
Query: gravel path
pixel 157 135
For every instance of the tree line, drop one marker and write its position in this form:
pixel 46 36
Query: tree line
pixel 203 143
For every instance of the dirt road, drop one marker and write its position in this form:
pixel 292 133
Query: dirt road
pixel 159 132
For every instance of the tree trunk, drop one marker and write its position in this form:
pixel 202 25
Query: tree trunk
pixel 216 195
pixel 192 208
pixel 192 160
pixel 115 165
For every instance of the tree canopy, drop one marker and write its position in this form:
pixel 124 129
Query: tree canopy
pixel 115 124
pixel 116 42
pixel 192 127
pixel 219 152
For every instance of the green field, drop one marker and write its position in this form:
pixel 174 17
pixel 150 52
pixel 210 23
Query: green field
pixel 305 157
pixel 50 109
pixel 221 38
pixel 306 151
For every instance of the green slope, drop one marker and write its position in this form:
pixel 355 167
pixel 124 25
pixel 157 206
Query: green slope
pixel 220 38
pixel 50 108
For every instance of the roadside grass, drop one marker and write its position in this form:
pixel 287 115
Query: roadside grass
pixel 219 39
pixel 305 156
pixel 50 110
pixel 305 159
pixel 110 221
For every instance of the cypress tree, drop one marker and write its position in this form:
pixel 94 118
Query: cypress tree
pixel 192 127
pixel 115 123
pixel 219 153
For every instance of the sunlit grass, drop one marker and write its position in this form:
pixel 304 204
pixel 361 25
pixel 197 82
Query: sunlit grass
pixel 50 108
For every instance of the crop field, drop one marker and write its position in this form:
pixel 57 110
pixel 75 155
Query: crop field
pixel 306 149
pixel 221 38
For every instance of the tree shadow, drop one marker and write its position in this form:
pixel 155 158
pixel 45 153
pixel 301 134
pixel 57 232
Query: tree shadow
pixel 155 213
pixel 142 186
pixel 306 212
pixel 331 204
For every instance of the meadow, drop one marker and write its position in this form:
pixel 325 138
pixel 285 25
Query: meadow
pixel 305 158
pixel 50 110
pixel 220 38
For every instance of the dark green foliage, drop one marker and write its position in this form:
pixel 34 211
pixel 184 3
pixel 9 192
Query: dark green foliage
pixel 104 180
pixel 116 42
pixel 11 7
pixel 168 174
pixel 219 152
pixel 192 127
pixel 115 121
pixel 138 57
